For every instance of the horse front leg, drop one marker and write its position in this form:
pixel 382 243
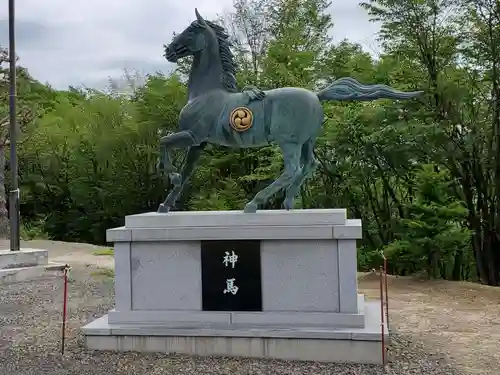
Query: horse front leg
pixel 192 158
pixel 183 139
pixel 166 166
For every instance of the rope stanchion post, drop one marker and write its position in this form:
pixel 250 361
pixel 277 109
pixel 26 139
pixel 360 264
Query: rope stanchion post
pixel 386 295
pixel 65 306
pixel 382 333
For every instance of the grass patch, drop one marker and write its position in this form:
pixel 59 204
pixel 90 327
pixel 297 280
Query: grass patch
pixel 107 272
pixel 108 252
pixel 33 230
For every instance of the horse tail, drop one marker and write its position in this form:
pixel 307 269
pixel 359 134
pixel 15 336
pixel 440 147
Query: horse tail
pixel 348 88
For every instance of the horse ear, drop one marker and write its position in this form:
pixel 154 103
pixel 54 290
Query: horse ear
pixel 199 18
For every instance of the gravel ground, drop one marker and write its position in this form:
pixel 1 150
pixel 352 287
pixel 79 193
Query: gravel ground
pixel 30 317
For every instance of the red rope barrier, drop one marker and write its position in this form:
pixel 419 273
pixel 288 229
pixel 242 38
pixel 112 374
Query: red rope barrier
pixel 65 307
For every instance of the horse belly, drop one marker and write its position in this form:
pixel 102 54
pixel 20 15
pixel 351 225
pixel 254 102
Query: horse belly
pixel 229 134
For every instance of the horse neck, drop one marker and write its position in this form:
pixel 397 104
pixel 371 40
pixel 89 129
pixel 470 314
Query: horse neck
pixel 206 72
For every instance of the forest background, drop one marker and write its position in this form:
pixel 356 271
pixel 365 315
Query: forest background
pixel 422 175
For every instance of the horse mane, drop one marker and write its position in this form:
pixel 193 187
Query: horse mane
pixel 226 57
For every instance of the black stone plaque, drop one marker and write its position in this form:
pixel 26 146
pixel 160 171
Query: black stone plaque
pixel 231 275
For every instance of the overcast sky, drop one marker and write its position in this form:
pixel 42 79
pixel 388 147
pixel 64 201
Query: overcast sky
pixel 68 42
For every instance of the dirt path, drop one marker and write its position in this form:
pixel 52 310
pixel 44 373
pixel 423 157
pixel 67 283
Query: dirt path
pixel 458 320
pixel 68 252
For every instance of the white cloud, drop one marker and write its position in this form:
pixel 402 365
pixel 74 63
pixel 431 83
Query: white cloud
pixel 67 42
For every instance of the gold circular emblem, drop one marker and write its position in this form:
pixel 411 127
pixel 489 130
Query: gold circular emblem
pixel 241 119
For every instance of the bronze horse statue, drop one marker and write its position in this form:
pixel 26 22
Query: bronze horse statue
pixel 216 112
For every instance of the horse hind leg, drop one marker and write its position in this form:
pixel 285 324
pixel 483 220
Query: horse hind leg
pixel 291 157
pixel 309 163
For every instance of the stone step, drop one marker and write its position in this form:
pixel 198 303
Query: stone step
pixel 326 344
pixel 23 258
pixel 12 275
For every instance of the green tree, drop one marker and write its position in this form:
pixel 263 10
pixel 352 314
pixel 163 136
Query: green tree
pixel 32 99
pixel 422 174
pixel 481 49
pixel 433 237
pixel 429 34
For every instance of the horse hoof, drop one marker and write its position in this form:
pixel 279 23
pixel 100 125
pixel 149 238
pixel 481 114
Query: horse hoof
pixel 163 209
pixel 250 208
pixel 288 204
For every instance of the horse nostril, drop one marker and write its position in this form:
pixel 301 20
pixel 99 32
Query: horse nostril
pixel 170 53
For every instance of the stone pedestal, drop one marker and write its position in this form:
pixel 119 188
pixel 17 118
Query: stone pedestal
pixel 230 283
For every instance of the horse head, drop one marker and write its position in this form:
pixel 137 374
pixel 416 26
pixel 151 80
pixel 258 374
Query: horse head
pixel 191 41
